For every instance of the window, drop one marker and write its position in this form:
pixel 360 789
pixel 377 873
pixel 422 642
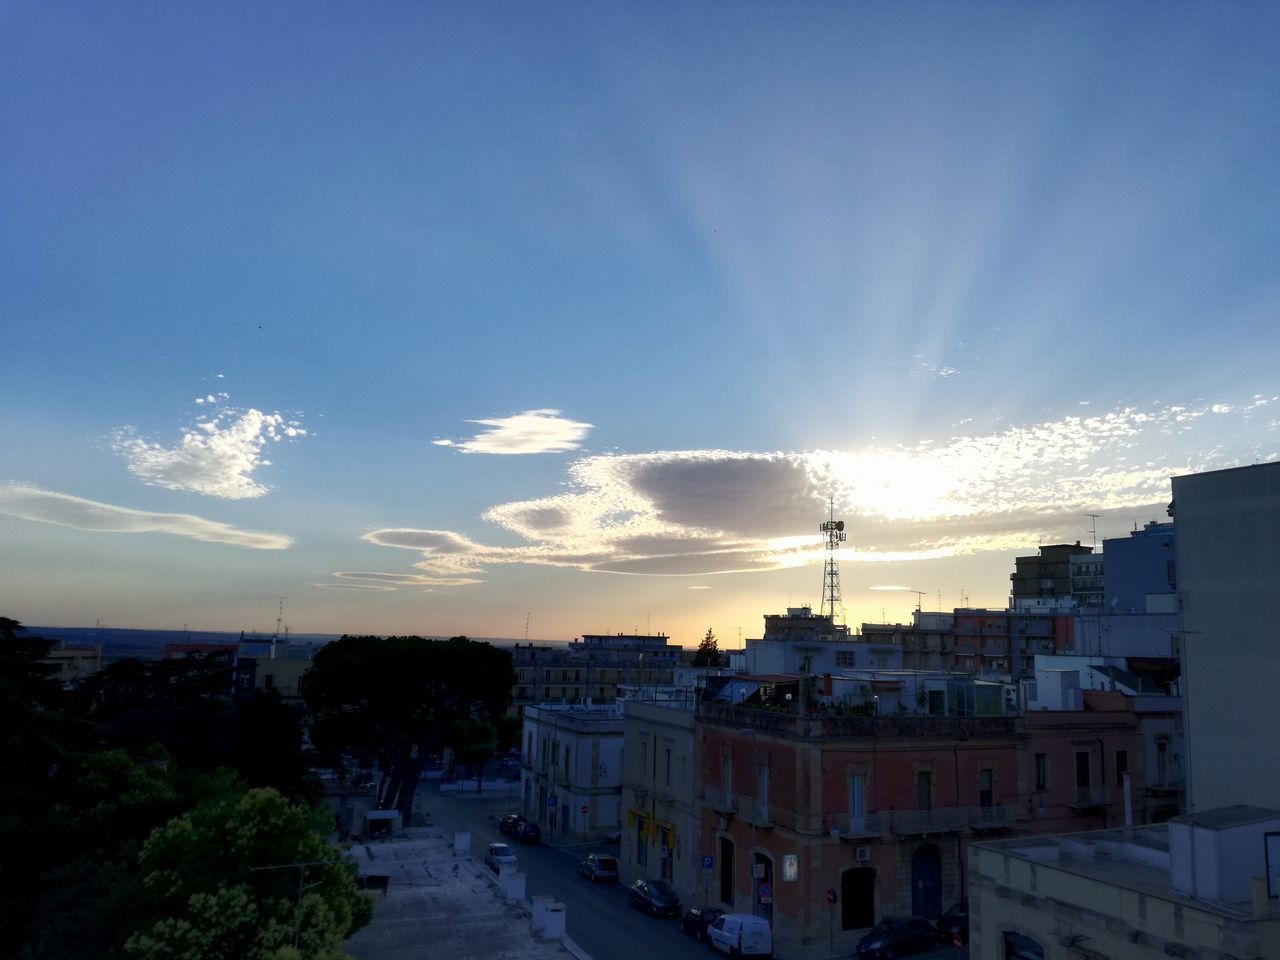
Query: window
pixel 986 788
pixel 762 795
pixel 924 790
pixel 1122 765
pixel 845 658
pixel 726 780
pixel 1162 761
pixel 642 841
pixel 857 799
pixel 555 753
pixel 567 752
pixel 1042 771
pixel 668 752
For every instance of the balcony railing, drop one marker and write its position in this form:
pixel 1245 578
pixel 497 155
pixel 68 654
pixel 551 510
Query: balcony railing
pixel 1087 798
pixel 867 825
pixel 952 819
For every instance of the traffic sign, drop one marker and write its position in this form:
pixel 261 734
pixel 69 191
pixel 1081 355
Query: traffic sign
pixel 551 801
pixel 707 862
pixel 766 890
pixel 955 941
pixel 583 809
pixel 831 896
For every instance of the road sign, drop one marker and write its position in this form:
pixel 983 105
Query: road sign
pixel 831 896
pixel 583 809
pixel 766 890
pixel 955 941
pixel 707 862
pixel 551 801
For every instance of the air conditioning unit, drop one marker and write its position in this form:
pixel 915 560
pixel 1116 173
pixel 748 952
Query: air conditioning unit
pixel 862 853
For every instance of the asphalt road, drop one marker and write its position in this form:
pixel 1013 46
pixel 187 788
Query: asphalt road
pixel 599 919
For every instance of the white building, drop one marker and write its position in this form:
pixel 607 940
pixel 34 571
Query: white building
pixel 571 775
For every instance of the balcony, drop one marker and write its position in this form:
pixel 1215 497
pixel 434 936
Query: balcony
pixel 952 819
pixel 1088 798
pixel 1168 787
pixel 867 825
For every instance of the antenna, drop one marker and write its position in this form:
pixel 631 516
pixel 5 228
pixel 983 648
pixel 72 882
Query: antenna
pixel 527 615
pixel 1093 528
pixel 279 617
pixel 834 531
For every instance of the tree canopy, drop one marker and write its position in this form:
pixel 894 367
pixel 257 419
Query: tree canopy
pixel 394 701
pixel 708 653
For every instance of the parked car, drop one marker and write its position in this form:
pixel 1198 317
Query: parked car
pixel 526 831
pixel 741 935
pixel 897 937
pixel 599 867
pixel 499 855
pixel 654 897
pixel 508 823
pixel 696 920
pixel 955 920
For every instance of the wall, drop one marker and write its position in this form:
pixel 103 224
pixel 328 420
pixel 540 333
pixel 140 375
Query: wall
pixel 1228 554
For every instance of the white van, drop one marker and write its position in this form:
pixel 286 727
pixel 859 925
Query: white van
pixel 741 935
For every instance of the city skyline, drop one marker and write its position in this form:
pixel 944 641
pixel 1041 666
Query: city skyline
pixel 496 320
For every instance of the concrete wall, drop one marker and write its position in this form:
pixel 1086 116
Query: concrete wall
pixel 1228 554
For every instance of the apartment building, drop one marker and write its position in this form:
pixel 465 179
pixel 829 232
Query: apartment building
pixel 571 769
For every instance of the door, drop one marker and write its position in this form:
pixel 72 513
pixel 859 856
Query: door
pixel 726 871
pixel 857 898
pixel 926 881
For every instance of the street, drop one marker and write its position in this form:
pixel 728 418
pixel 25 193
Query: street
pixel 599 918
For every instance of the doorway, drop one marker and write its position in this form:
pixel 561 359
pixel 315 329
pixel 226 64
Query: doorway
pixel 857 898
pixel 926 881
pixel 726 871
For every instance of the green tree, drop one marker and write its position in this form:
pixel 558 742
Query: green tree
pixel 394 701
pixel 248 877
pixel 708 653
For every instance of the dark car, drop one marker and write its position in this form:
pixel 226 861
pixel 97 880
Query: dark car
pixel 897 937
pixel 955 920
pixel 654 897
pixel 599 867
pixel 696 920
pixel 526 831
pixel 507 824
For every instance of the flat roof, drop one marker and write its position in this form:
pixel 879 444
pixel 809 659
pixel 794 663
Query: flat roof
pixel 1224 818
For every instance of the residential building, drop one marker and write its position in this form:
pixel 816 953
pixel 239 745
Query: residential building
pixel 877 809
pixel 659 776
pixel 802 642
pixel 1228 568
pixel 1087 580
pixel 571 770
pixel 1194 887
pixel 591 669
pixel 1084 768
pixel 1047 574
pixel 74 663
pixel 1141 574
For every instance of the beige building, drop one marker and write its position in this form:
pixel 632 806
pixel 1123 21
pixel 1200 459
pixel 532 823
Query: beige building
pixel 1228 553
pixel 1193 887
pixel 661 812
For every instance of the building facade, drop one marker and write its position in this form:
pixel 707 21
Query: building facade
pixel 571 769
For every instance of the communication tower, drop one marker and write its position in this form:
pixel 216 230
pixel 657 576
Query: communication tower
pixel 833 529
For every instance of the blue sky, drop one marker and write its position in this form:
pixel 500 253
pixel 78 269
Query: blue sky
pixel 446 318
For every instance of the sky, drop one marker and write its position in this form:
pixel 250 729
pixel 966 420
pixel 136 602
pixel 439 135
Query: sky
pixel 545 319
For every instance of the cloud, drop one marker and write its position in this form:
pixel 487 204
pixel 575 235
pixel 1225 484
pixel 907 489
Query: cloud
pixel 215 457
pixel 392 580
pixel 700 512
pixel 46 506
pixel 533 431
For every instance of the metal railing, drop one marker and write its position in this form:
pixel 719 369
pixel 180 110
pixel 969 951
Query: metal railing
pixel 867 825
pixel 1093 796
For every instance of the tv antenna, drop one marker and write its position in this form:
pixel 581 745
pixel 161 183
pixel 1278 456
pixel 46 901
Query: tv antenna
pixel 1093 528
pixel 279 618
pixel 833 529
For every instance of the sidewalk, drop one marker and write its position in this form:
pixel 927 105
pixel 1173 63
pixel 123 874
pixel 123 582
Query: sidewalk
pixel 439 903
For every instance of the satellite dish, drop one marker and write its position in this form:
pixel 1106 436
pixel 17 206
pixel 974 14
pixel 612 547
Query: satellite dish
pixel 839 524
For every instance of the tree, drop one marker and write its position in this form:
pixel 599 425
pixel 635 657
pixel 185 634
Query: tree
pixel 250 877
pixel 708 654
pixel 394 701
